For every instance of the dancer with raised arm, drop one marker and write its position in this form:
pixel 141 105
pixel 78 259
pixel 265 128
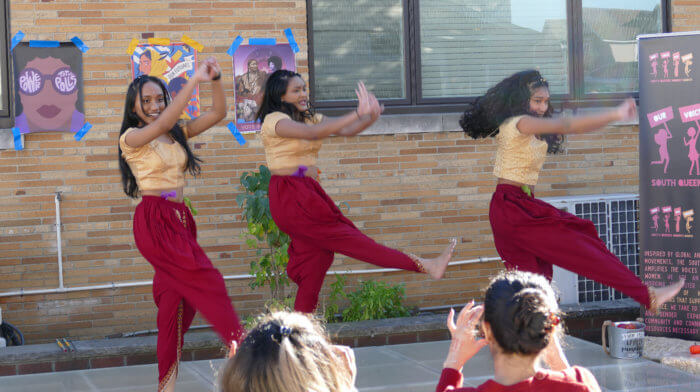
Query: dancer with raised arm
pixel 292 135
pixel 530 234
pixel 153 158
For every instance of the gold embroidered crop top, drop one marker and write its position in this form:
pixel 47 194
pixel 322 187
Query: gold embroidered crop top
pixel 286 152
pixel 156 165
pixel 519 157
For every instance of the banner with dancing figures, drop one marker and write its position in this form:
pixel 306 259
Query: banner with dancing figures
pixel 252 64
pixel 669 177
pixel 174 64
pixel 48 86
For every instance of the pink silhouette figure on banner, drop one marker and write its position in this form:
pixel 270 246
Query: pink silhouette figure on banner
pixel 655 218
pixel 662 117
pixel 666 222
pixel 677 218
pixel 693 155
pixel 688 114
pixel 676 63
pixel 654 64
pixel 665 68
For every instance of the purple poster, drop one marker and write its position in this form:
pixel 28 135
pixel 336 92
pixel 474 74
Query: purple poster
pixel 669 178
pixel 251 66
pixel 48 88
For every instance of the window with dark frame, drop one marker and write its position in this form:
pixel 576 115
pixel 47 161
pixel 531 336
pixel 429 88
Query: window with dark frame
pixel 5 99
pixel 434 55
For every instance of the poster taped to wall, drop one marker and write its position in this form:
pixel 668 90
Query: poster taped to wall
pixel 251 66
pixel 174 64
pixel 48 88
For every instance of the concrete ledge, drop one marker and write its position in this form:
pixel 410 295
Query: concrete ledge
pixel 672 352
pixel 200 345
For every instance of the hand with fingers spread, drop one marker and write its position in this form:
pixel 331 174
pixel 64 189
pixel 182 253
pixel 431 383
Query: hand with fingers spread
pixel 364 101
pixel 627 110
pixel 464 344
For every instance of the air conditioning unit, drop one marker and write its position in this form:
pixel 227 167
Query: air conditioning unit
pixel 616 217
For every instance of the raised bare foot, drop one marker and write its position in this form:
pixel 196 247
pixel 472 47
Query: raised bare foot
pixel 666 293
pixel 436 267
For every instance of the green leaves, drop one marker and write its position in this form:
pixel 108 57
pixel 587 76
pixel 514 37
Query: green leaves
pixel 263 234
pixel 374 300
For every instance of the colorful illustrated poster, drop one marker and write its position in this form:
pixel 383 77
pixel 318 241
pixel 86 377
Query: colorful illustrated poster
pixel 174 64
pixel 48 88
pixel 251 66
pixel 669 177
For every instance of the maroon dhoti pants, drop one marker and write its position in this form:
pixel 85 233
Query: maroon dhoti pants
pixel 185 279
pixel 531 235
pixel 317 228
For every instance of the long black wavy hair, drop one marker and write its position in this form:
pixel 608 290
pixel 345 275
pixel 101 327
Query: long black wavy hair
pixel 275 87
pixel 510 97
pixel 132 120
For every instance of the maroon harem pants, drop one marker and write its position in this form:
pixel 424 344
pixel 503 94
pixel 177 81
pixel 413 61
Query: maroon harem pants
pixel 185 279
pixel 531 235
pixel 317 228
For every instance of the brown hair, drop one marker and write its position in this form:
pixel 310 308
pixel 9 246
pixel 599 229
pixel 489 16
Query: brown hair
pixel 286 352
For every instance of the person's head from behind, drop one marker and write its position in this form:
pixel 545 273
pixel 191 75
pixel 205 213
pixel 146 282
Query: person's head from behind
pixel 175 85
pixel 521 315
pixel 288 352
pixel 285 91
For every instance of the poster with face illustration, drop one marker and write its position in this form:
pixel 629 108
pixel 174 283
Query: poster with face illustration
pixel 251 66
pixel 48 88
pixel 174 64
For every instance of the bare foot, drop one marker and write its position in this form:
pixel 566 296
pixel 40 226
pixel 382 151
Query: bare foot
pixel 666 293
pixel 436 267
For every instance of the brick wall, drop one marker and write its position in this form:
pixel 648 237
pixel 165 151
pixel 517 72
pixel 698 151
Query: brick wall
pixel 411 191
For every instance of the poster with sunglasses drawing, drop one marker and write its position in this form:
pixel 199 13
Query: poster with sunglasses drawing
pixel 174 64
pixel 48 88
pixel 251 66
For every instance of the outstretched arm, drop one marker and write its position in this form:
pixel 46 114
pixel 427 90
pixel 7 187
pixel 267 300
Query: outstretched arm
pixel 166 120
pixel 362 116
pixel 578 124
pixel 218 110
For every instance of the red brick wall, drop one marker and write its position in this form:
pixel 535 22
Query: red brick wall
pixel 411 191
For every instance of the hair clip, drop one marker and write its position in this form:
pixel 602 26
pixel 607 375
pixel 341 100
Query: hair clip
pixel 284 332
pixel 554 319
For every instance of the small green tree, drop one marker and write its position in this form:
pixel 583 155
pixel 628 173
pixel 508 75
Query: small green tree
pixel 263 234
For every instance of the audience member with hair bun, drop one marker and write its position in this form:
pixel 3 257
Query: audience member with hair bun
pixel 289 352
pixel 520 321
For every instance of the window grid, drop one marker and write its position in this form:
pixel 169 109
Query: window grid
pixel 617 224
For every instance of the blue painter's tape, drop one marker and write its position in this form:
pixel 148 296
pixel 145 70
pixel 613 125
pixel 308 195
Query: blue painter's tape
pixel 291 40
pixel 79 135
pixel 43 44
pixel 80 44
pixel 262 41
pixel 16 39
pixel 234 46
pixel 18 139
pixel 239 138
